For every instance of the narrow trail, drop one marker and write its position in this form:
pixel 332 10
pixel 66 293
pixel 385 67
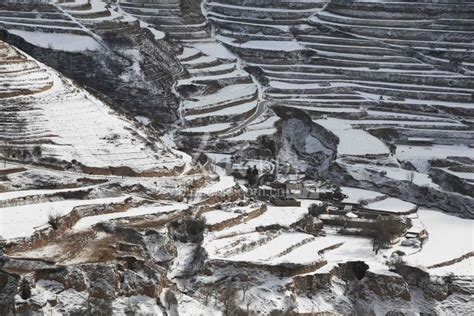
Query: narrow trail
pixel 261 107
pixel 85 29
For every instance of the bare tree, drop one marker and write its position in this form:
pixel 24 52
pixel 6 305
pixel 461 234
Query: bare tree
pixel 227 298
pixel 207 293
pixel 245 287
pixel 387 228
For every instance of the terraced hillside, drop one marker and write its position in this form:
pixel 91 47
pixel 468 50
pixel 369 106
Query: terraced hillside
pixel 147 64
pixel 219 97
pixel 70 164
pixel 47 118
pixel 126 246
pixel 101 48
pixel 392 80
pixel 181 20
pixel 330 135
pixel 48 26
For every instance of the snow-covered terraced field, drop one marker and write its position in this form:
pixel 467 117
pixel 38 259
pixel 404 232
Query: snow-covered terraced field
pixel 235 101
pixel 275 249
pixel 445 231
pixel 215 217
pixel 321 64
pixel 179 21
pixel 388 78
pixel 51 26
pixel 82 9
pixel 210 110
pixel 218 95
pixel 43 110
pixel 245 243
pixel 89 221
pixel 21 221
pixel 107 209
pixel 226 96
pixel 248 242
pixel 284 216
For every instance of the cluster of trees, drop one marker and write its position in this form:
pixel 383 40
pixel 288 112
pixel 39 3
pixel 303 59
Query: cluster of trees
pixel 387 228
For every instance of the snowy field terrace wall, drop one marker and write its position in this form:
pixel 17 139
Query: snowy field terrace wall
pixel 231 96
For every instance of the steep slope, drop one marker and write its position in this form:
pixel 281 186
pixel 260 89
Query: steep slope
pixel 219 97
pixel 72 164
pixel 48 119
pixel 102 49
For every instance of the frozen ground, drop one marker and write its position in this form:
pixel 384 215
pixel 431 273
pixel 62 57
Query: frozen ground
pixel 21 221
pixel 89 221
pixel 419 155
pixel 449 237
pixel 353 141
pixel 59 41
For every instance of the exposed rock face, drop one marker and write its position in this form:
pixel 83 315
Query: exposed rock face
pixel 450 182
pixel 136 284
pixel 386 285
pixel 448 201
pixel 8 288
pixel 94 285
pixel 103 280
pixel 362 288
pixel 377 292
pixel 420 278
pixel 69 277
pixel 187 230
pixel 304 145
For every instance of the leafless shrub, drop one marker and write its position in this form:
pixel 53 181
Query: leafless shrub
pixel 53 220
pixel 25 289
pixel 207 293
